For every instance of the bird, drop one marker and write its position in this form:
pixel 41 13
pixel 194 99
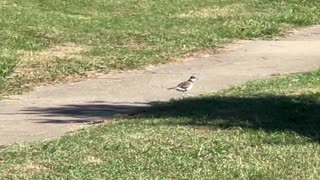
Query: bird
pixel 186 85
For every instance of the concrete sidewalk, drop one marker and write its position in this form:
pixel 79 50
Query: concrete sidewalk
pixel 52 111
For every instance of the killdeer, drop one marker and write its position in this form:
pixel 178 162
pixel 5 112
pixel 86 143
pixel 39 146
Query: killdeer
pixel 185 86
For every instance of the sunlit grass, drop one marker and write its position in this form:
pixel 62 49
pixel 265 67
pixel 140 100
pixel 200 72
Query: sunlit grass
pixel 128 34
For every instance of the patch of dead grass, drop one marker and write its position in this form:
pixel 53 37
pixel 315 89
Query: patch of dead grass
pixel 92 160
pixel 30 168
pixel 32 63
pixel 216 11
pixel 7 4
pixel 58 51
pixel 137 45
pixel 73 16
pixel 304 91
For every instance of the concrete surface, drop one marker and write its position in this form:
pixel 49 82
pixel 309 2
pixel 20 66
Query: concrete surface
pixel 52 111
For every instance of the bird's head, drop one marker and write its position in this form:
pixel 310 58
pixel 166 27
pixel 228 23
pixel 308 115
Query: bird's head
pixel 193 78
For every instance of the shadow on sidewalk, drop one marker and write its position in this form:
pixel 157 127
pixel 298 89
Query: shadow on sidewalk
pixel 298 114
pixel 82 113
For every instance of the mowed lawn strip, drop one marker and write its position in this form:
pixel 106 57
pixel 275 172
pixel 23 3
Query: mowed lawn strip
pixel 47 41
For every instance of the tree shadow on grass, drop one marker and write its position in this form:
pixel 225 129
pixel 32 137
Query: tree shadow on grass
pixel 299 114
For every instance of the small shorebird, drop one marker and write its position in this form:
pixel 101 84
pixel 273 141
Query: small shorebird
pixel 185 86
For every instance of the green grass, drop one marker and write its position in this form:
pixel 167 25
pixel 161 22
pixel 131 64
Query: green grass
pixel 103 35
pixel 265 129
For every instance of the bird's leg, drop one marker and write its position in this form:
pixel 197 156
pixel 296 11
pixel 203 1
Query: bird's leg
pixel 187 94
pixel 190 94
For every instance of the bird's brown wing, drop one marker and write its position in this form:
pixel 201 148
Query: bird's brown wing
pixel 185 85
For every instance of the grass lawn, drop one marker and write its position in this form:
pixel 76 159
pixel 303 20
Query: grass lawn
pixel 46 41
pixel 265 129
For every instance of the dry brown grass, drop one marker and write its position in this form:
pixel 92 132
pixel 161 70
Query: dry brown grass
pixel 30 168
pixel 34 65
pixel 7 3
pixel 92 160
pixel 216 11
pixel 307 90
pixel 49 55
